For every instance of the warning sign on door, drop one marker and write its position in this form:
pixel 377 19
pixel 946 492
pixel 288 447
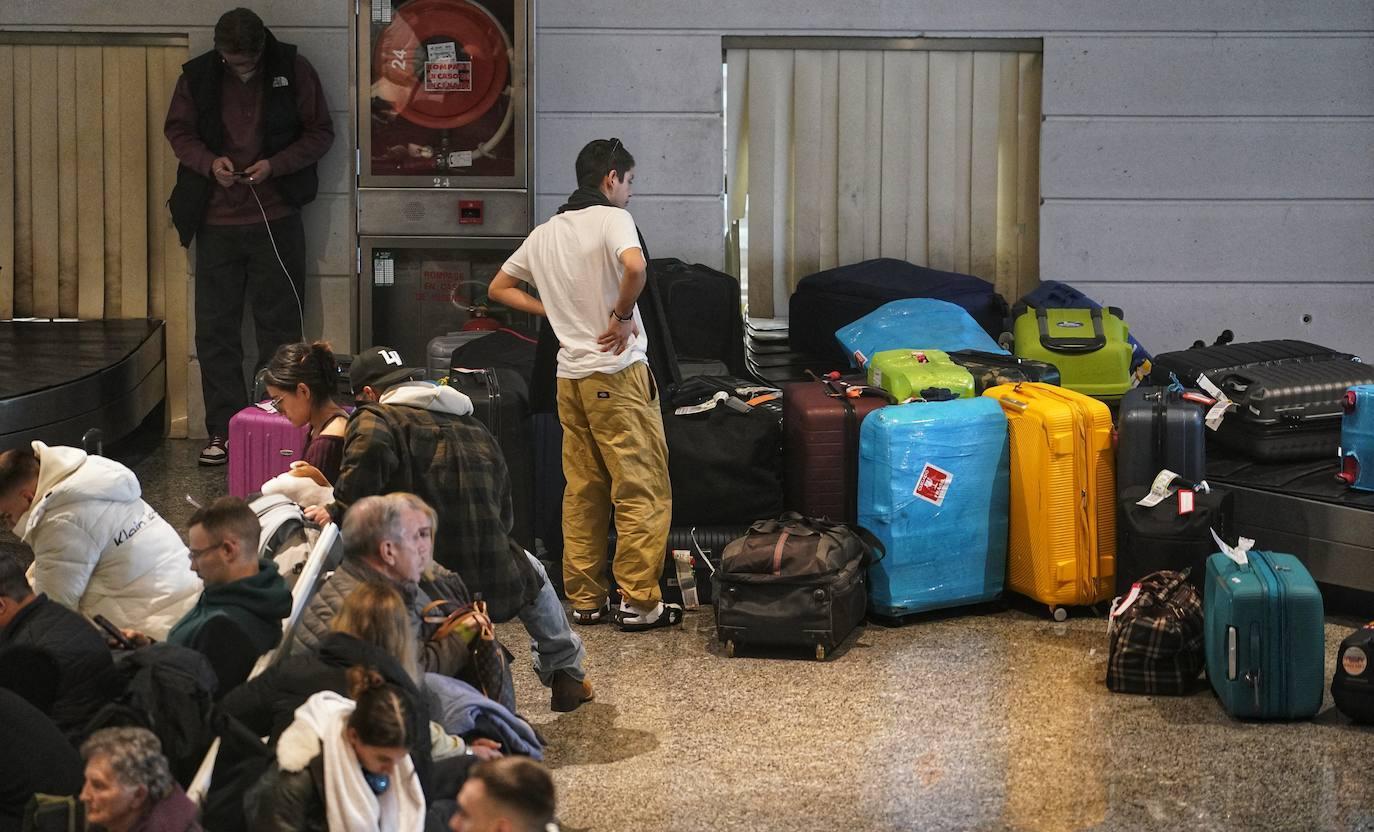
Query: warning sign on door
pixel 448 76
pixel 933 484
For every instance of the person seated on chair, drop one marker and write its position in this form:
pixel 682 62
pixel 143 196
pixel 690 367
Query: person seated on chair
pixel 417 436
pixel 390 538
pixel 37 759
pixel 301 379
pixel 84 668
pixel 239 615
pixel 344 764
pixel 129 785
pixel 98 547
pixel 512 794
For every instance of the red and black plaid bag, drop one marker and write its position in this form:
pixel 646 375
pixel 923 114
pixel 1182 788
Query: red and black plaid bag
pixel 1155 637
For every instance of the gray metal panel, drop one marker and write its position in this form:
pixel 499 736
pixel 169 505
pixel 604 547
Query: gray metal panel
pixel 414 211
pixel 329 246
pixel 1335 543
pixel 1170 316
pixel 674 153
pixel 676 73
pixel 888 17
pixel 1199 241
pixel 891 44
pixel 1207 159
pixel 1207 76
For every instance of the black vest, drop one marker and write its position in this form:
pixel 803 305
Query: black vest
pixel 281 125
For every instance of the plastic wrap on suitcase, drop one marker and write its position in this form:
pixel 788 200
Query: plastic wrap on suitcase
pixel 703 310
pixel 1158 429
pixel 262 444
pixel 725 463
pixel 933 487
pixel 919 374
pixel 915 323
pixel 821 424
pixel 1357 438
pixel 1353 685
pixel 1175 534
pixel 1266 636
pixel 1220 360
pixel 990 369
pixel 1055 294
pixel 826 301
pixel 1090 347
pixel 1062 477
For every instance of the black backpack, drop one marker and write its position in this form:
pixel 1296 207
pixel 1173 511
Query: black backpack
pixel 169 690
pixel 1353 685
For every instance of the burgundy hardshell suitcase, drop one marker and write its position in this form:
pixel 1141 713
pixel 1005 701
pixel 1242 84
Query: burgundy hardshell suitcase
pixel 262 444
pixel 821 435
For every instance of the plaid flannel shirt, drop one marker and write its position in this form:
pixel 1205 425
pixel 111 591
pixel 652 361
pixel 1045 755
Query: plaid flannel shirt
pixel 454 464
pixel 1155 646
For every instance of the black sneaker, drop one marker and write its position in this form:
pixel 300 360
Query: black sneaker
pixel 215 453
pixel 634 621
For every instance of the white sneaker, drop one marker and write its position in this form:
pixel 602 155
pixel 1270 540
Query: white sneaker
pixel 632 620
pixel 215 453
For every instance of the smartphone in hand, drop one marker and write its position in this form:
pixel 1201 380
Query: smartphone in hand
pixel 114 632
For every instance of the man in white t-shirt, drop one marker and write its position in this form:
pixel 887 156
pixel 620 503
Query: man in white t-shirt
pixel 588 264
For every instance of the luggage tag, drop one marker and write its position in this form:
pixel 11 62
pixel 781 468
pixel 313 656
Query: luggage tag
pixel 1185 501
pixel 709 404
pixel 1237 553
pixel 1218 410
pixel 1159 490
pixel 1121 604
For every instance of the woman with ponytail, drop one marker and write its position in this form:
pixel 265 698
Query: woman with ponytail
pixel 301 379
pixel 343 764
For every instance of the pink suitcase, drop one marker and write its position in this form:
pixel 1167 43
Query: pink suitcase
pixel 262 444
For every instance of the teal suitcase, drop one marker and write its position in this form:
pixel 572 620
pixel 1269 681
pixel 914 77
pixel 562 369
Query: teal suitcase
pixel 1265 636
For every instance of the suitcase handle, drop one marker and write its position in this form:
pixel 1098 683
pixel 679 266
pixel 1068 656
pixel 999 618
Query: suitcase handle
pixel 1070 345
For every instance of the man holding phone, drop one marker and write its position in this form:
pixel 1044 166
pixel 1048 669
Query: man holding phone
pixel 248 122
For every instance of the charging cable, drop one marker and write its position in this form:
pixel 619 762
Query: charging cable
pixel 300 307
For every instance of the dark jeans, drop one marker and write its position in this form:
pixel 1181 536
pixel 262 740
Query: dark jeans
pixel 234 263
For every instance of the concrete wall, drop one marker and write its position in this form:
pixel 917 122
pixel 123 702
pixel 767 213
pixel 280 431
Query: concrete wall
pixel 320 29
pixel 1204 165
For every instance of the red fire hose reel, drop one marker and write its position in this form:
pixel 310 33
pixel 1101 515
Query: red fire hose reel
pixel 442 63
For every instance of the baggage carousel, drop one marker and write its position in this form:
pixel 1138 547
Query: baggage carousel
pixel 59 379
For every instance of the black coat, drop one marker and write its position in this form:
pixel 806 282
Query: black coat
pixel 35 758
pixel 290 801
pixel 267 704
pixel 87 679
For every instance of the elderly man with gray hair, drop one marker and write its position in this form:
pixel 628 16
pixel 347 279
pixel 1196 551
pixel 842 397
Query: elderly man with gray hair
pixel 129 785
pixel 390 538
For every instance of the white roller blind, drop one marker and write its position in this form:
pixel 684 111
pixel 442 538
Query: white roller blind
pixel 930 156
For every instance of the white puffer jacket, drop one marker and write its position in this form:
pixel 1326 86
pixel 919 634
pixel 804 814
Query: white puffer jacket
pixel 99 549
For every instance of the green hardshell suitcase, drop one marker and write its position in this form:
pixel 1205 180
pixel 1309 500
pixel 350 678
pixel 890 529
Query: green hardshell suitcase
pixel 906 374
pixel 1091 347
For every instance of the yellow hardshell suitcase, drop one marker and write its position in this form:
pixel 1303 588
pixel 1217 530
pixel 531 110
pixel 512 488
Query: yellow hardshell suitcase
pixel 1062 545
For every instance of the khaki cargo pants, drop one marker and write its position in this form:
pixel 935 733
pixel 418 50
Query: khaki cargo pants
pixel 614 456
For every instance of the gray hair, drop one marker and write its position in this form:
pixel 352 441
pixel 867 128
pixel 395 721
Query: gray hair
pixel 374 519
pixel 135 756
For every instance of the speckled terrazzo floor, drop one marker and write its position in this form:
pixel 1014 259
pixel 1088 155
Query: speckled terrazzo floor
pixel 986 721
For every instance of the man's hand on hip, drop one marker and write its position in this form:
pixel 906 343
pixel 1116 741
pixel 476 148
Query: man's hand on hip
pixel 617 336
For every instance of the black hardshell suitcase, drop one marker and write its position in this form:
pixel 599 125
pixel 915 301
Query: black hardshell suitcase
pixel 1219 361
pixel 1151 539
pixel 990 369
pixel 1290 411
pixel 500 400
pixel 1157 429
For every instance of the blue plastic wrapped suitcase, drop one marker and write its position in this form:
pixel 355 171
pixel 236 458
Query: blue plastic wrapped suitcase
pixel 913 324
pixel 934 480
pixel 1266 636
pixel 1357 438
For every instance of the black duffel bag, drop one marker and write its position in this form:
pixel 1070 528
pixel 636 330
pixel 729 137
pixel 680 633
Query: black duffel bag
pixel 725 462
pixel 794 580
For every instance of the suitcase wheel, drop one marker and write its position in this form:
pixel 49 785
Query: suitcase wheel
pixel 730 649
pixel 1059 613
pixel 820 652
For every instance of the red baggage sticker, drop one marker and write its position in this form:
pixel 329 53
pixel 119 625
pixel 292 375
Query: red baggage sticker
pixel 933 484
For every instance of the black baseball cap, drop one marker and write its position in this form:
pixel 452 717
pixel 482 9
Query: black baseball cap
pixel 380 368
